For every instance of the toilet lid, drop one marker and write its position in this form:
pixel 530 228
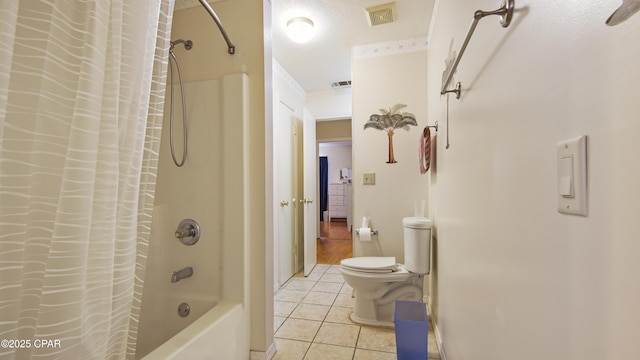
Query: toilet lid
pixel 373 264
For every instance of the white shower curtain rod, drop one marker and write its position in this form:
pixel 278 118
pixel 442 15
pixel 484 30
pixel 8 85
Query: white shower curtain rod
pixel 232 48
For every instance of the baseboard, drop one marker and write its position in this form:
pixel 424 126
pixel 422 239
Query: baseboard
pixel 272 351
pixel 436 330
pixel 263 355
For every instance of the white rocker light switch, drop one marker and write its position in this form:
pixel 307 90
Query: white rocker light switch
pixel 572 176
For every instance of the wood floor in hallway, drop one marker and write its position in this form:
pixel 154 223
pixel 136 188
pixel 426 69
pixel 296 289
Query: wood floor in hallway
pixel 334 243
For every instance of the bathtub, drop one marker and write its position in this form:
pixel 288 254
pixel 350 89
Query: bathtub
pixel 217 334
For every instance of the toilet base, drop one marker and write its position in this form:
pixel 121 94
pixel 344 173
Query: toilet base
pixel 363 321
pixel 379 312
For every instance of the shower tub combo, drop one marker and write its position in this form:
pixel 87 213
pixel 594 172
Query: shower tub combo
pixel 194 300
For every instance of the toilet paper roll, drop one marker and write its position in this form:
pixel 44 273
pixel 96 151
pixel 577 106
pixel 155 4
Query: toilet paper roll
pixel 365 234
pixel 365 222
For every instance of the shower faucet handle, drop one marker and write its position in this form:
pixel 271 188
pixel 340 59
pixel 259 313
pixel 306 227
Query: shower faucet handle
pixel 188 232
pixel 183 233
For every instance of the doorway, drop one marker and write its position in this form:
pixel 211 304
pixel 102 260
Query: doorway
pixel 335 240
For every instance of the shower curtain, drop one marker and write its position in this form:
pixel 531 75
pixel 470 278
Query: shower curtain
pixel 81 100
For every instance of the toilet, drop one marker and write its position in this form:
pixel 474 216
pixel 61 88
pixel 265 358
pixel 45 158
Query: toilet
pixel 379 281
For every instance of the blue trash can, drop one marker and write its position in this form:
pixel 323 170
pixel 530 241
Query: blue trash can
pixel 412 329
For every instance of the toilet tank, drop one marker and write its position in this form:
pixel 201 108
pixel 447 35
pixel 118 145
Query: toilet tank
pixel 417 244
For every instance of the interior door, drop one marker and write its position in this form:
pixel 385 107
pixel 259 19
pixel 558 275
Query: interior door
pixel 308 201
pixel 285 196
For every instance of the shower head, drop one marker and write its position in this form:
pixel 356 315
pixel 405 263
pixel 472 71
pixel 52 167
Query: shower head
pixel 188 44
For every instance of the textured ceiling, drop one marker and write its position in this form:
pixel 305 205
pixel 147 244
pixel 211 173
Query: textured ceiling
pixel 340 24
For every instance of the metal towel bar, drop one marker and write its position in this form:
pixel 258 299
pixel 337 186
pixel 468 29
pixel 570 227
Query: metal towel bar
pixel 505 12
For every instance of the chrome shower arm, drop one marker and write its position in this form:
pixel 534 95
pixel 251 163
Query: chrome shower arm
pixel 232 48
pixel 188 44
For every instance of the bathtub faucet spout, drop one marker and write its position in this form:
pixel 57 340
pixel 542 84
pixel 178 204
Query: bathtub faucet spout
pixel 181 274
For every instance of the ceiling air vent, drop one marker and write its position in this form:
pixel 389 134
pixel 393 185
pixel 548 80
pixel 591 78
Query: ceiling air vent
pixel 382 14
pixel 341 84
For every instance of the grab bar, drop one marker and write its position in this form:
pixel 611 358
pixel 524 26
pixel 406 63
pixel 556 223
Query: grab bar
pixel 505 12
pixel 232 48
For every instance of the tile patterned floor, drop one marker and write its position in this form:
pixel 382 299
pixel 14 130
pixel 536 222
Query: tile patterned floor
pixel 312 322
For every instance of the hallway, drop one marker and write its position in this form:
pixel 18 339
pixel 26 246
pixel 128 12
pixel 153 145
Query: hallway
pixel 334 243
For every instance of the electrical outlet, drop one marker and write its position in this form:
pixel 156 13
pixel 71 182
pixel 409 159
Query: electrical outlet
pixel 369 179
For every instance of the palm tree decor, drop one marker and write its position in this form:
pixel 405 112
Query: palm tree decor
pixel 390 120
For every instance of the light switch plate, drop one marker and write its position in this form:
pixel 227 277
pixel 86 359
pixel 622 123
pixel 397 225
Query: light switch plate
pixel 369 179
pixel 571 160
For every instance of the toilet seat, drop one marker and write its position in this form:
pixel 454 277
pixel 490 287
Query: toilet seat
pixel 370 264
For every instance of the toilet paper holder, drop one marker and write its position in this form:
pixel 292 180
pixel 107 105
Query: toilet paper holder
pixel 373 231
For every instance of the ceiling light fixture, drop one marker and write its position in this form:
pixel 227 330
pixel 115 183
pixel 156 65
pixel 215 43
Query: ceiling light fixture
pixel 300 29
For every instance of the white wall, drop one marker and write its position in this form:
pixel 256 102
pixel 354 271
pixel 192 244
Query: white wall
pixel 515 279
pixel 287 90
pixel 330 104
pixel 338 156
pixel 381 82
